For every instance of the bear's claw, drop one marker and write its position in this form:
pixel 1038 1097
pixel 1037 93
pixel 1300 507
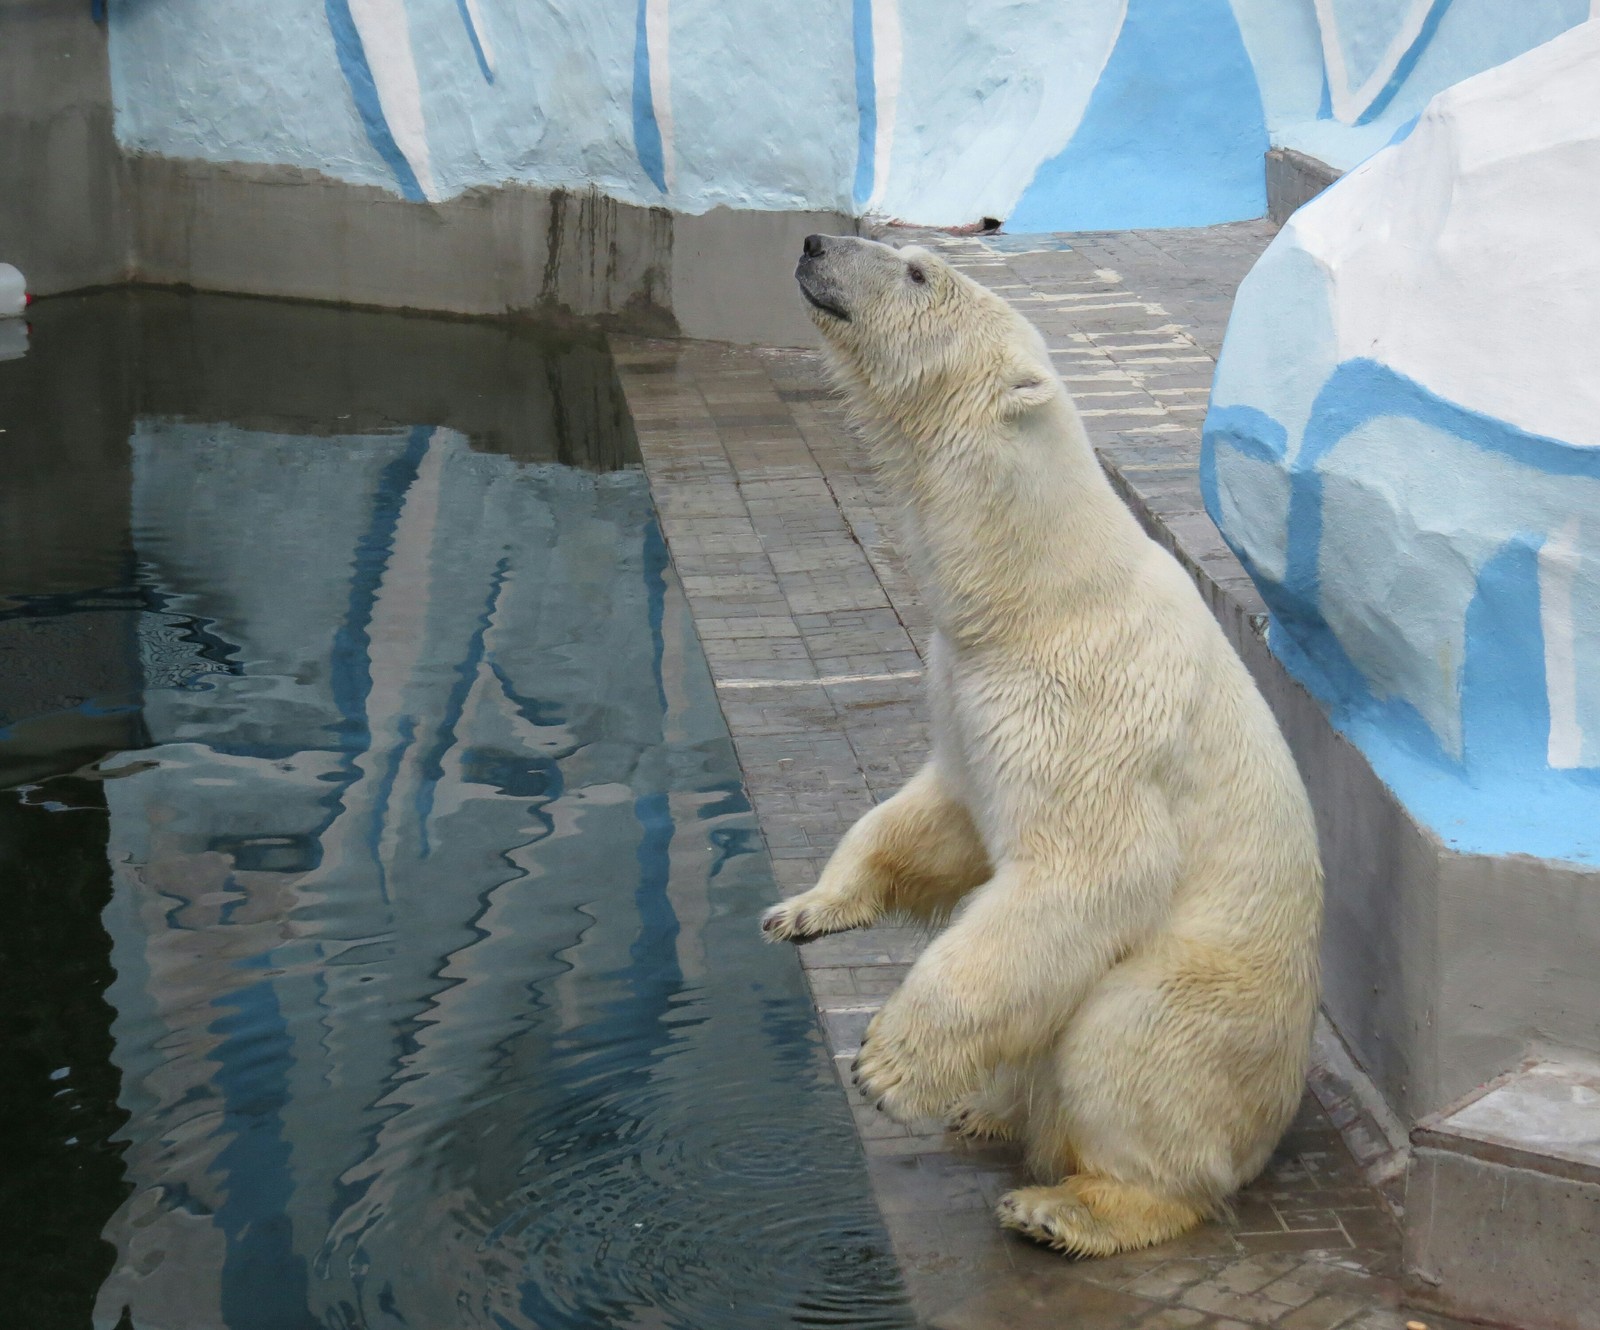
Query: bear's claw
pixel 977 1124
pixel 781 924
pixel 788 921
pixel 1048 1222
pixel 886 1079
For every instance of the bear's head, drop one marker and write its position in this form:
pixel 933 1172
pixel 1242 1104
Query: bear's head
pixel 918 344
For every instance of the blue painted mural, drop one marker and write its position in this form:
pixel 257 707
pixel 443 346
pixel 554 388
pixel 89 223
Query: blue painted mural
pixel 1097 113
pixel 1166 140
pixel 1403 451
pixel 652 103
pixel 1380 61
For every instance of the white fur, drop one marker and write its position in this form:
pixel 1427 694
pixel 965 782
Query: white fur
pixel 1129 977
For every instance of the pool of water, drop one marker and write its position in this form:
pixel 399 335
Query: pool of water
pixel 380 895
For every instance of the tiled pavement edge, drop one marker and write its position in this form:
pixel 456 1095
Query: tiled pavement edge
pixel 815 637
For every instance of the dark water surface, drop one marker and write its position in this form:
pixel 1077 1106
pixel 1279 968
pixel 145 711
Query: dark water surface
pixel 379 894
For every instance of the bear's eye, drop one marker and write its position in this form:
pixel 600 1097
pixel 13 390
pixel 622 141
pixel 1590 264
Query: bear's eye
pixel 917 275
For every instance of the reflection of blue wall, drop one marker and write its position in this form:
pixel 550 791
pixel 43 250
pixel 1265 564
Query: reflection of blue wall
pixel 435 916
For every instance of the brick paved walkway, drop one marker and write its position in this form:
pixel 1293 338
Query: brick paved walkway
pixel 815 637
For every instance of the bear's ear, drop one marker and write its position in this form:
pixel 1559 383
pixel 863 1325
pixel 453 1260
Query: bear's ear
pixel 1023 388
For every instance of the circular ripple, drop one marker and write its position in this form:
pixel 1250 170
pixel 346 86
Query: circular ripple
pixel 732 1224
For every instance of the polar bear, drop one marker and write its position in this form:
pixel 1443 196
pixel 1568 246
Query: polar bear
pixel 1110 823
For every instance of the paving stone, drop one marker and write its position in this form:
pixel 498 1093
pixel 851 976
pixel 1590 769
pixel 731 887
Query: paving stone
pixel 832 982
pixel 1210 1296
pixel 1290 1292
pixel 1174 1318
pixel 877 980
pixel 1327 1312
pixel 1043 1299
pixel 923 1183
pixel 1170 1279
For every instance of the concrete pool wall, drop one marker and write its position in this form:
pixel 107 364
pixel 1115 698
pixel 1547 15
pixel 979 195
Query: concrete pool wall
pixel 63 189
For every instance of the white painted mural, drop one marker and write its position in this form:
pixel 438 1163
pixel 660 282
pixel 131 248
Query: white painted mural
pixel 1404 449
pixel 1073 114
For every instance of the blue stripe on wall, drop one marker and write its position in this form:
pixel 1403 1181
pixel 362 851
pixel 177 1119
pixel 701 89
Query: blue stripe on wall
pixel 866 105
pixel 1505 701
pixel 477 43
pixel 1360 390
pixel 358 74
pixel 646 132
pixel 1406 63
pixel 1174 134
pixel 1404 132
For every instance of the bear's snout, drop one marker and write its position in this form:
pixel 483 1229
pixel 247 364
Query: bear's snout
pixel 820 286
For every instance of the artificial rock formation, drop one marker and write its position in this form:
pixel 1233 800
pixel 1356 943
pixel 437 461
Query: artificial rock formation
pixel 1404 449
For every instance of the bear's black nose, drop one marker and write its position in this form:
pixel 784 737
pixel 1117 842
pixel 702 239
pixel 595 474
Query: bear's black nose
pixel 813 246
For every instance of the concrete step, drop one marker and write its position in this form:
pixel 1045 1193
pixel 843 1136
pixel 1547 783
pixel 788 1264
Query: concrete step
pixel 1294 178
pixel 1502 1218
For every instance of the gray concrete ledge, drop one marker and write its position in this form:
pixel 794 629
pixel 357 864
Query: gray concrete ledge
pixel 1544 1116
pixel 506 250
pixel 1294 178
pixel 1504 1201
pixel 1511 1247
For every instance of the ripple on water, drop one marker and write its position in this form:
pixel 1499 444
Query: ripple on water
pixel 634 1206
pixel 698 1245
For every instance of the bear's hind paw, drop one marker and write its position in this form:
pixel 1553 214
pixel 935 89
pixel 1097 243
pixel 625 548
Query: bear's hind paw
pixel 1088 1215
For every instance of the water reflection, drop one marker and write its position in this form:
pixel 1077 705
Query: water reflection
pixel 431 887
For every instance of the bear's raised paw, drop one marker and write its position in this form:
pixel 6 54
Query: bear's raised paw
pixel 804 919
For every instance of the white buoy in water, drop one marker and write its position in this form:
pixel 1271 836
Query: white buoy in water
pixel 13 292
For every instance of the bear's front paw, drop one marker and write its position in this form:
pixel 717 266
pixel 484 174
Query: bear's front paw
pixel 808 916
pixel 908 1071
